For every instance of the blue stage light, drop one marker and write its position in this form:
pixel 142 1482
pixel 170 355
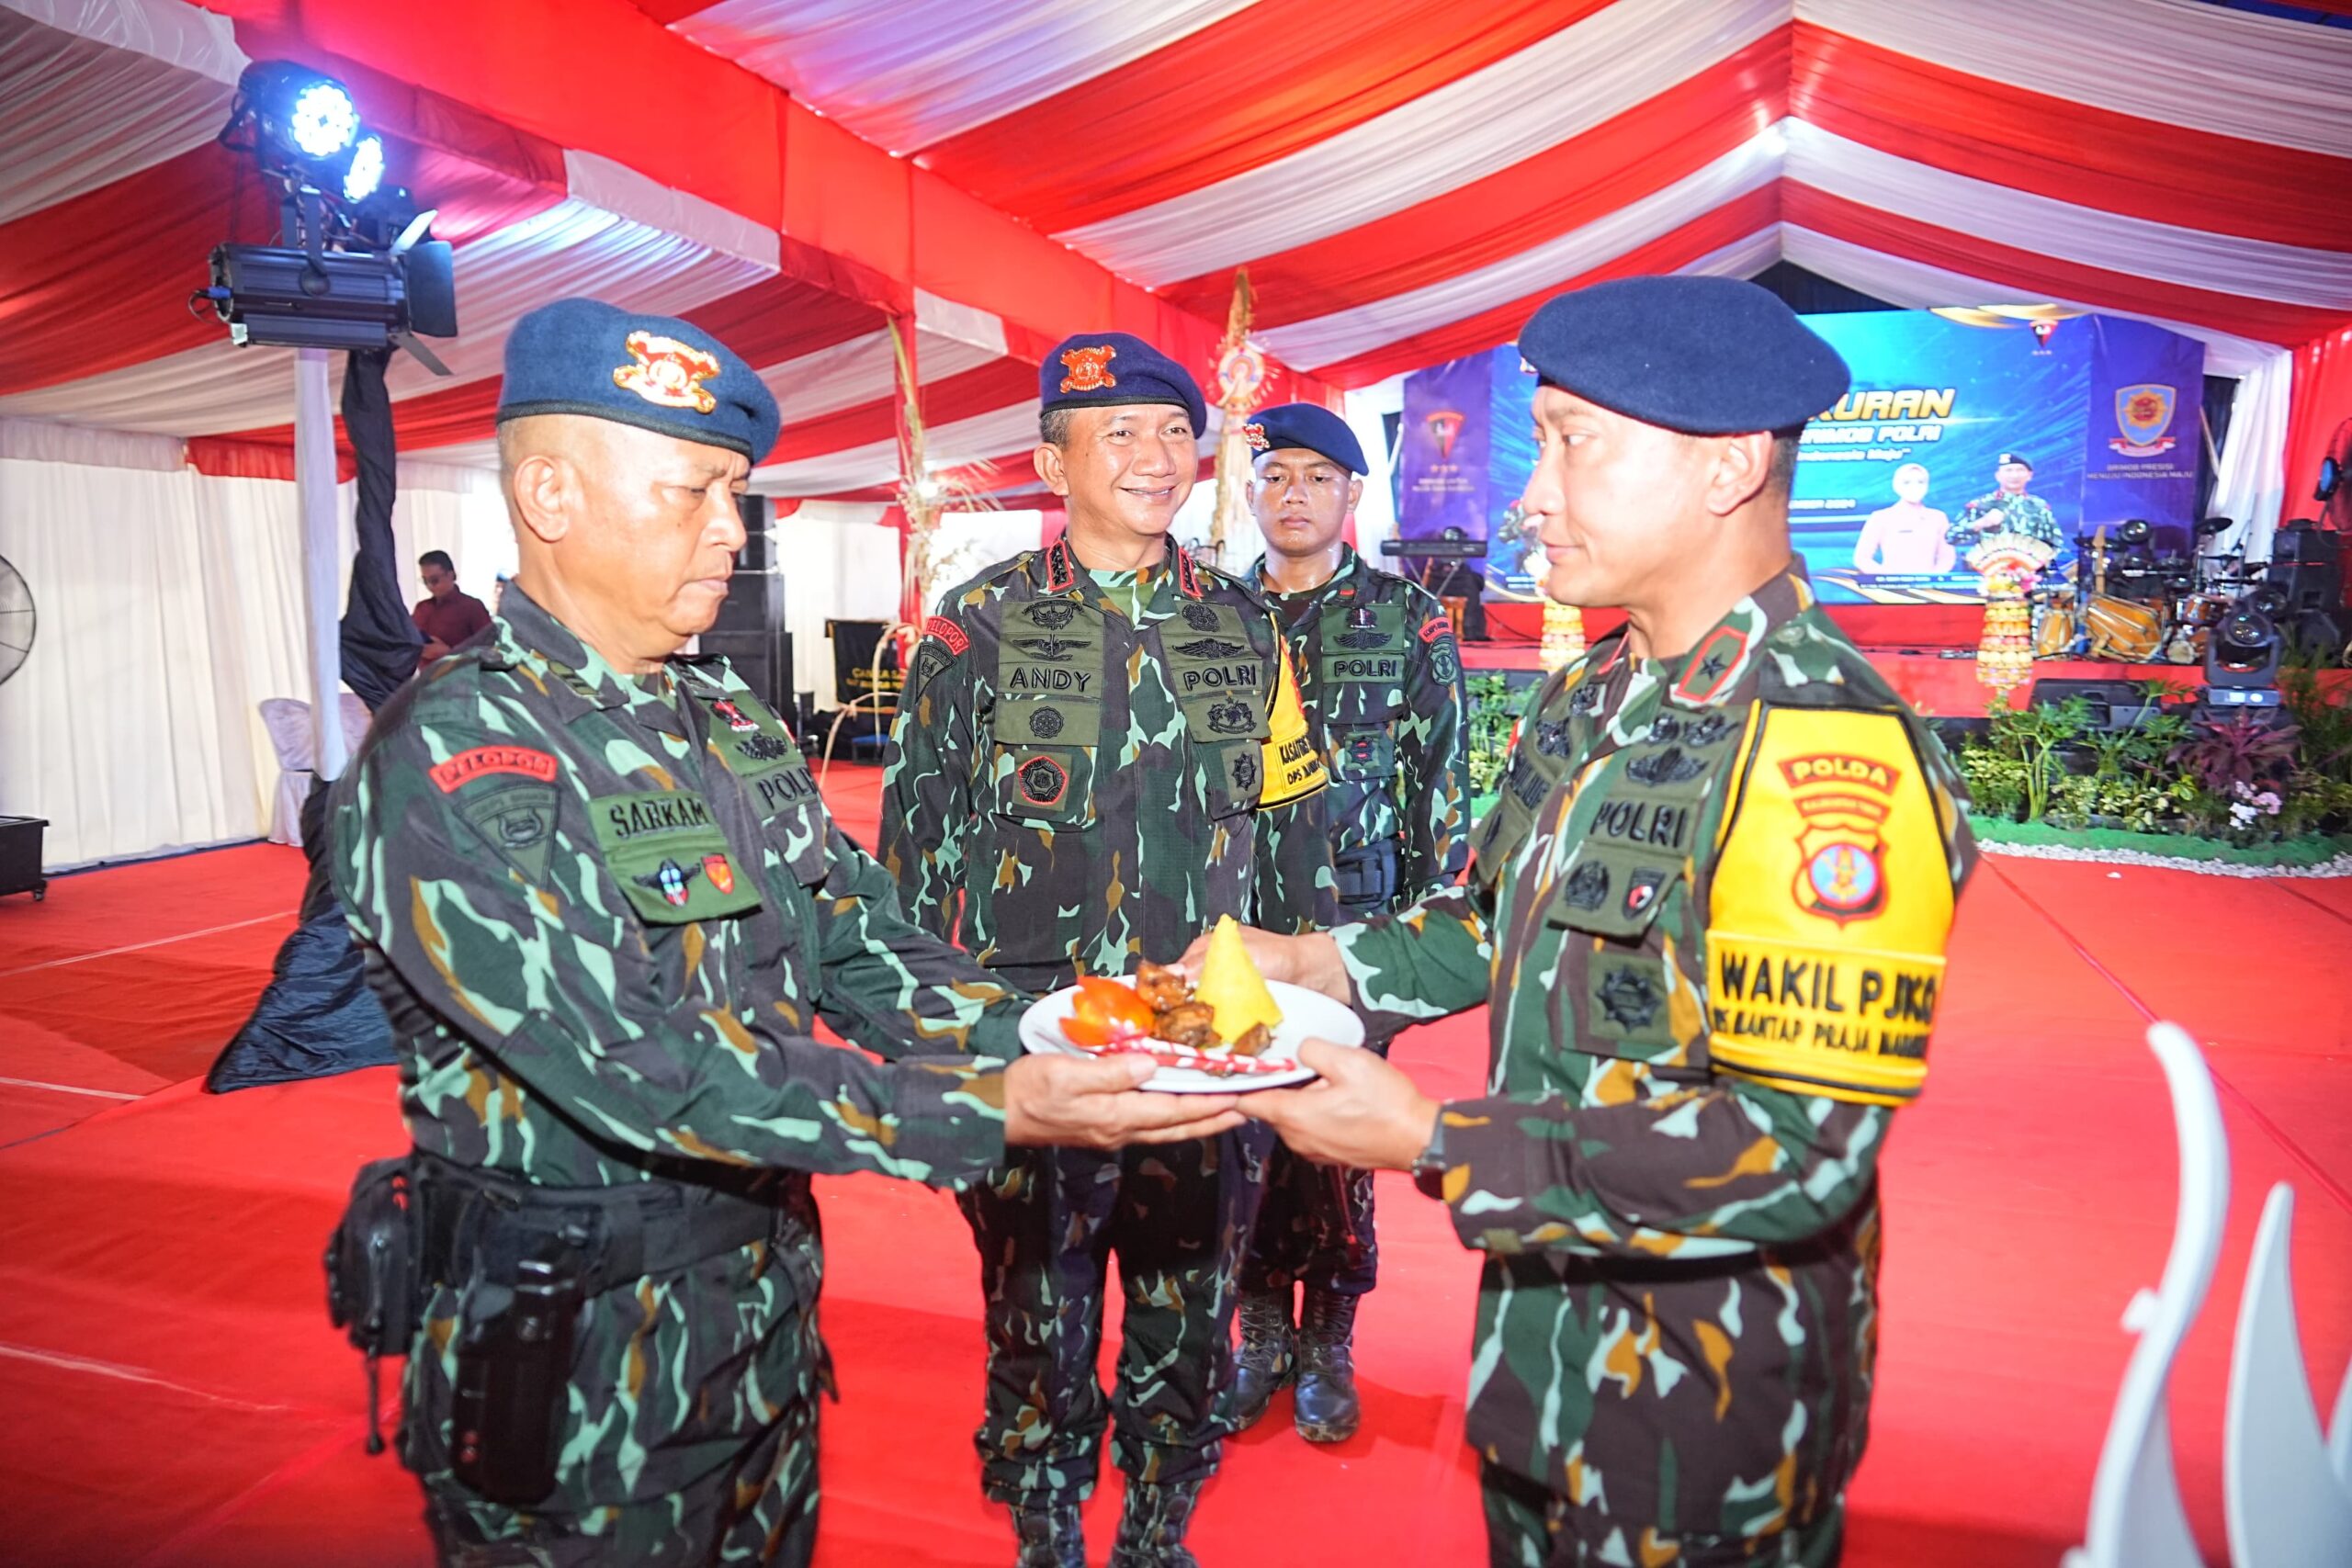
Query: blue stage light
pixel 323 121
pixel 367 171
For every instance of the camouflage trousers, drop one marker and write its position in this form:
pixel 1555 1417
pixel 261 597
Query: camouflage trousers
pixel 1530 1528
pixel 688 1435
pixel 1178 1217
pixel 1314 1228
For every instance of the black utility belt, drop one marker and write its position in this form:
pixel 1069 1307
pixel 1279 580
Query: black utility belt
pixel 614 1234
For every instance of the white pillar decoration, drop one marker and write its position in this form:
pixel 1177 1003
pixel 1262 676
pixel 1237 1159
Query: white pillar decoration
pixel 314 489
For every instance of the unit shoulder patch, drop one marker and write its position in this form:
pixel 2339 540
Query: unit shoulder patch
pixel 1830 903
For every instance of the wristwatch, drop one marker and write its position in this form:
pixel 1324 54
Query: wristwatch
pixel 1429 1168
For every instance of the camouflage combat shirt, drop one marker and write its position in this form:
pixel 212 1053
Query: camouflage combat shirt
pixel 1071 790
pixel 1708 913
pixel 603 914
pixel 2026 515
pixel 1383 681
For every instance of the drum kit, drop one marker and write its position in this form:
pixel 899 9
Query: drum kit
pixel 2144 607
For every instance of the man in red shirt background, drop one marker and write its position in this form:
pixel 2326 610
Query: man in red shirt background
pixel 447 617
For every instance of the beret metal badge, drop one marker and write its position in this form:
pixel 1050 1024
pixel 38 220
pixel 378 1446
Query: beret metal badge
pixel 669 373
pixel 1089 368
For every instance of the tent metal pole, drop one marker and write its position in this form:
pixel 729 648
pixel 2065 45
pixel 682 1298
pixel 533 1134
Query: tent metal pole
pixel 314 487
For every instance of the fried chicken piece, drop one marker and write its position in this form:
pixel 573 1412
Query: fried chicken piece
pixel 1254 1041
pixel 1162 987
pixel 1190 1023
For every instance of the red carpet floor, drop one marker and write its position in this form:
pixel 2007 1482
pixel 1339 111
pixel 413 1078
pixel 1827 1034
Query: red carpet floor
pixel 170 1392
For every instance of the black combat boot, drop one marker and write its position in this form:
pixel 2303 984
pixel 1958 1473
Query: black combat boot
pixel 1264 1366
pixel 1050 1535
pixel 1328 1411
pixel 1152 1531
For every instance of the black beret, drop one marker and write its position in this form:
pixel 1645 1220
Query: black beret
pixel 1107 369
pixel 658 373
pixel 1307 425
pixel 2018 458
pixel 1704 355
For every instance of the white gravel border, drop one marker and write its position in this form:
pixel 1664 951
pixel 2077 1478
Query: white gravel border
pixel 2339 866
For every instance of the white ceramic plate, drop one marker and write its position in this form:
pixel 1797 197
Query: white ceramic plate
pixel 1306 1015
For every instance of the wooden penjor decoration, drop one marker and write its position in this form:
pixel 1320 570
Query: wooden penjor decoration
pixel 1240 382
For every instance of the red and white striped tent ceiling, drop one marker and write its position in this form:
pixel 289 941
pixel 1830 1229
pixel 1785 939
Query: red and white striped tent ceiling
pixel 1403 180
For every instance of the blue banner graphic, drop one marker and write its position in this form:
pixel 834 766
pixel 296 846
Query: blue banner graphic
pixel 1961 424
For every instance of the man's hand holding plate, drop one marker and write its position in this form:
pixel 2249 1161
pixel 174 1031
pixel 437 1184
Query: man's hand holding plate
pixel 1362 1113
pixel 1092 1103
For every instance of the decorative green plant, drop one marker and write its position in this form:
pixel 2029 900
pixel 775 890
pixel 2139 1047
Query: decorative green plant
pixel 1491 712
pixel 2035 736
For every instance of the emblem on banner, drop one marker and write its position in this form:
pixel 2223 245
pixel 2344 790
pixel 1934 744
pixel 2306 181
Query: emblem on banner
pixel 1444 428
pixel 2143 413
pixel 1844 801
pixel 1089 368
pixel 668 372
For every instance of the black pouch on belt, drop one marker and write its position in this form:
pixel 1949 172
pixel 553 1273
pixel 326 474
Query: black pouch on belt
pixel 513 1365
pixel 1367 877
pixel 374 1293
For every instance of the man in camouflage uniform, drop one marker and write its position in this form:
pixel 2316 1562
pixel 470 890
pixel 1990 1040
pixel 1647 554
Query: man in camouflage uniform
pixel 1708 916
pixel 1100 749
pixel 1383 689
pixel 604 907
pixel 2008 508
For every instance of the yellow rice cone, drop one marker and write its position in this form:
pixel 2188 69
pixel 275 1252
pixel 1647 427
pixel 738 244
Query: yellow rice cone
pixel 1232 986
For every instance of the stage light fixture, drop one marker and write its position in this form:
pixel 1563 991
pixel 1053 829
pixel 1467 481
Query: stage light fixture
pixel 354 267
pixel 367 171
pixel 2242 660
pixel 323 121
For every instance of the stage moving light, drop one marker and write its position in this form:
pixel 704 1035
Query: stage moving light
pixel 367 171
pixel 2242 662
pixel 324 121
pixel 354 267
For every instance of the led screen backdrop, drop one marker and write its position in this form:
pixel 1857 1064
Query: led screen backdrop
pixel 1890 483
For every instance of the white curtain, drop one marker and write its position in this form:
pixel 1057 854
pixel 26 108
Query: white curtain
pixel 170 607
pixel 839 562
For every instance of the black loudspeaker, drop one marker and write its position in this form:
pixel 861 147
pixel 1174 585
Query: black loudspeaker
pixel 749 632
pixel 2307 566
pixel 2115 705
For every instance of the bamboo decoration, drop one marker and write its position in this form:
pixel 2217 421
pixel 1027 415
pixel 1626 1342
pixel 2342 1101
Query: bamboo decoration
pixel 1240 382
pixel 924 495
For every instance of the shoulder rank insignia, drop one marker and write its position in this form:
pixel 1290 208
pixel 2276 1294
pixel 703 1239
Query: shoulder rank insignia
pixel 668 372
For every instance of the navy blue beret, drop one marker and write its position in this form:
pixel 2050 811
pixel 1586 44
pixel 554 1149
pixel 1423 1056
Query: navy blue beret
pixel 1104 370
pixel 2014 457
pixel 1318 430
pixel 658 373
pixel 1704 355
